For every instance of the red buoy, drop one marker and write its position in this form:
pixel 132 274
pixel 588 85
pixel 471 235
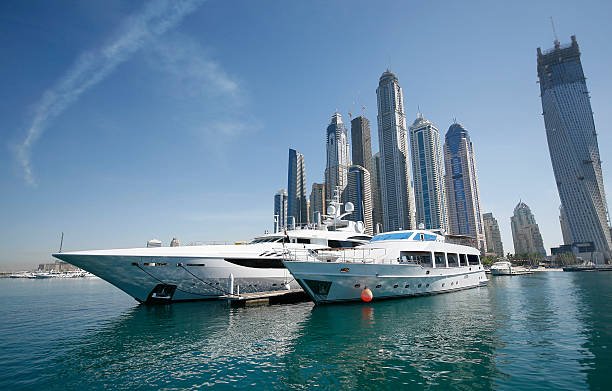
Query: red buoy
pixel 366 295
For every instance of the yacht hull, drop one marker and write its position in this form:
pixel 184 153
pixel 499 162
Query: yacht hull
pixel 339 282
pixel 172 279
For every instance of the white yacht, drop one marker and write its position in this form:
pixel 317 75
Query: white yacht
pixel 393 264
pixel 168 274
pixel 501 268
pixel 505 268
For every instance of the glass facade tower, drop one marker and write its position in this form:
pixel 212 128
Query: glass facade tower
pixel 492 235
pixel 525 232
pixel 317 202
pixel 361 143
pixel 338 157
pixel 297 208
pixel 428 174
pixel 396 190
pixel 359 193
pixel 461 182
pixel 377 213
pixel 280 210
pixel 572 143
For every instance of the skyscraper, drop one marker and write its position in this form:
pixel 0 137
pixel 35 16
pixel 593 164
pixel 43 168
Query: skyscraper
pixel 572 142
pixel 361 139
pixel 297 210
pixel 280 210
pixel 361 148
pixel 377 213
pixel 525 232
pixel 359 193
pixel 317 201
pixel 492 235
pixel 396 191
pixel 338 158
pixel 462 193
pixel 428 174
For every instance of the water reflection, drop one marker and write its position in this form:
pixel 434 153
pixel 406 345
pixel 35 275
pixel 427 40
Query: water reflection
pixel 594 290
pixel 181 346
pixel 442 340
pixel 540 329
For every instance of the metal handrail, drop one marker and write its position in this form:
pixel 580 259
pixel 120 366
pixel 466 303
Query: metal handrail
pixel 336 255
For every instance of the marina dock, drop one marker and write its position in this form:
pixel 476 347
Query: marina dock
pixel 268 298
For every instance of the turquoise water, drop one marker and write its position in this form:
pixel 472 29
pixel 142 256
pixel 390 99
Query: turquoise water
pixel 548 330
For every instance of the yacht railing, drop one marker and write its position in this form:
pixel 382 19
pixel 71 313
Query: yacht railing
pixel 355 255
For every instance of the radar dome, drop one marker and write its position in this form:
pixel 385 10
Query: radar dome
pixel 360 227
pixel 349 207
pixel 331 210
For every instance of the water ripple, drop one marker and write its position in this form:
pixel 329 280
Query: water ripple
pixel 543 331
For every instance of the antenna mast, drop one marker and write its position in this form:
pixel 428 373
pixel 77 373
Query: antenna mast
pixel 552 23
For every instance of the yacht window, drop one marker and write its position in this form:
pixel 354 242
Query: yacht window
pixel 473 259
pixel 440 261
pixel 360 238
pixel 463 258
pixel 303 240
pixel 452 260
pixel 266 240
pixel 418 257
pixel 341 244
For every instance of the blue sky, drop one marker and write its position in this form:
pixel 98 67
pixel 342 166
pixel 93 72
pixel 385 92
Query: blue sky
pixel 123 121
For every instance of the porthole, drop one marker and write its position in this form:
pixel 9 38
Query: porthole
pixel 418 286
pixel 357 285
pixel 395 286
pixel 378 286
pixel 407 286
pixel 442 284
pixel 427 286
pixel 427 272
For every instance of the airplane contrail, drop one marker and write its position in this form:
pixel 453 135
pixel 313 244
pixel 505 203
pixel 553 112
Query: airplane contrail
pixel 94 65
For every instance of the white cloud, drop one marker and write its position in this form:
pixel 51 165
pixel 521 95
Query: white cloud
pixel 190 73
pixel 192 69
pixel 96 64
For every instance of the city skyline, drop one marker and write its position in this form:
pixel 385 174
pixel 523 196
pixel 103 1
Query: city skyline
pixel 184 133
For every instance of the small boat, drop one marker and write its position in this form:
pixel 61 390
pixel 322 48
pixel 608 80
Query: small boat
pixel 505 268
pixel 392 265
pixel 588 268
pixel 40 275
